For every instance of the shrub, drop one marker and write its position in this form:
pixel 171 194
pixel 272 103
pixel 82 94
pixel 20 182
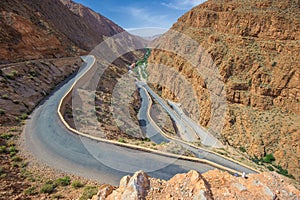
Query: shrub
pixel 270 168
pixel 268 158
pixel 122 140
pixel 12 154
pixel 12 149
pixel 16 159
pixel 63 181
pixel 24 116
pixel 6 136
pixel 16 102
pixel 47 188
pixel 77 184
pixel 2 112
pixel 88 192
pixel 147 139
pixel 31 191
pixel 242 149
pixel 5 96
pixel 2 149
pixel 10 76
pixel 256 160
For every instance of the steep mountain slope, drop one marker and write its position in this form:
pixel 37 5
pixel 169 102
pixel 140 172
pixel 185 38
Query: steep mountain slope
pixel 255 46
pixel 26 35
pixel 47 29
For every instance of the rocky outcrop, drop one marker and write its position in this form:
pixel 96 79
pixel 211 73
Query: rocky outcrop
pixel 210 185
pixel 254 46
pixel 135 188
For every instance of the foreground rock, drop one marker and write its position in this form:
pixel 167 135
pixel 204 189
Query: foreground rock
pixel 193 185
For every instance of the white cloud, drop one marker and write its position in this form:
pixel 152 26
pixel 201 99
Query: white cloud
pixel 183 5
pixel 148 17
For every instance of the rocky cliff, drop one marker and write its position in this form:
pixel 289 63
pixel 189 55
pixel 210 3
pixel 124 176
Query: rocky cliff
pixel 255 49
pixel 210 185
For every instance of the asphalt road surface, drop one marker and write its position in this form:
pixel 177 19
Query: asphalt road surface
pixel 49 141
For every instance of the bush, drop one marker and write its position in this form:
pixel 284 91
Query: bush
pixel 88 192
pixel 12 154
pixel 6 136
pixel 270 168
pixel 2 149
pixel 12 149
pixel 31 191
pixel 24 116
pixel 63 181
pixel 242 149
pixel 5 96
pixel 147 139
pixel 268 158
pixel 122 140
pixel 16 102
pixel 77 184
pixel 47 188
pixel 256 160
pixel 2 112
pixel 16 159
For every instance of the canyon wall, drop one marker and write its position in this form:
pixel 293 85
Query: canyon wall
pixel 255 49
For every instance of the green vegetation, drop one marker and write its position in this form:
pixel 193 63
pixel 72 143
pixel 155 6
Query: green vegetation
pixel 16 102
pixel 88 192
pixel 32 73
pixel 1 170
pixel 146 140
pixel 283 172
pixel 31 191
pixel 16 159
pixel 24 116
pixel 242 149
pixel 141 65
pixel 48 188
pixel 274 64
pixel 250 82
pixel 2 149
pixel 12 75
pixel 77 184
pixel 6 136
pixel 122 140
pixel 5 96
pixel 2 112
pixel 268 158
pixel 270 168
pixel 12 149
pixel 65 181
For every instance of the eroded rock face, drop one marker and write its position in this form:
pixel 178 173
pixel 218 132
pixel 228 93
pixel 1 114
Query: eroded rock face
pixel 34 29
pixel 256 53
pixel 210 185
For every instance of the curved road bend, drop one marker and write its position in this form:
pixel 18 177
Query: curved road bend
pixel 198 152
pixel 49 141
pixel 147 128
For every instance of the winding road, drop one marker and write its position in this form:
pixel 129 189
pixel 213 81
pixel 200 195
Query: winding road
pixel 200 153
pixel 50 142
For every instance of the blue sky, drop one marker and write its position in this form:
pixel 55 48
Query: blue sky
pixel 140 14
